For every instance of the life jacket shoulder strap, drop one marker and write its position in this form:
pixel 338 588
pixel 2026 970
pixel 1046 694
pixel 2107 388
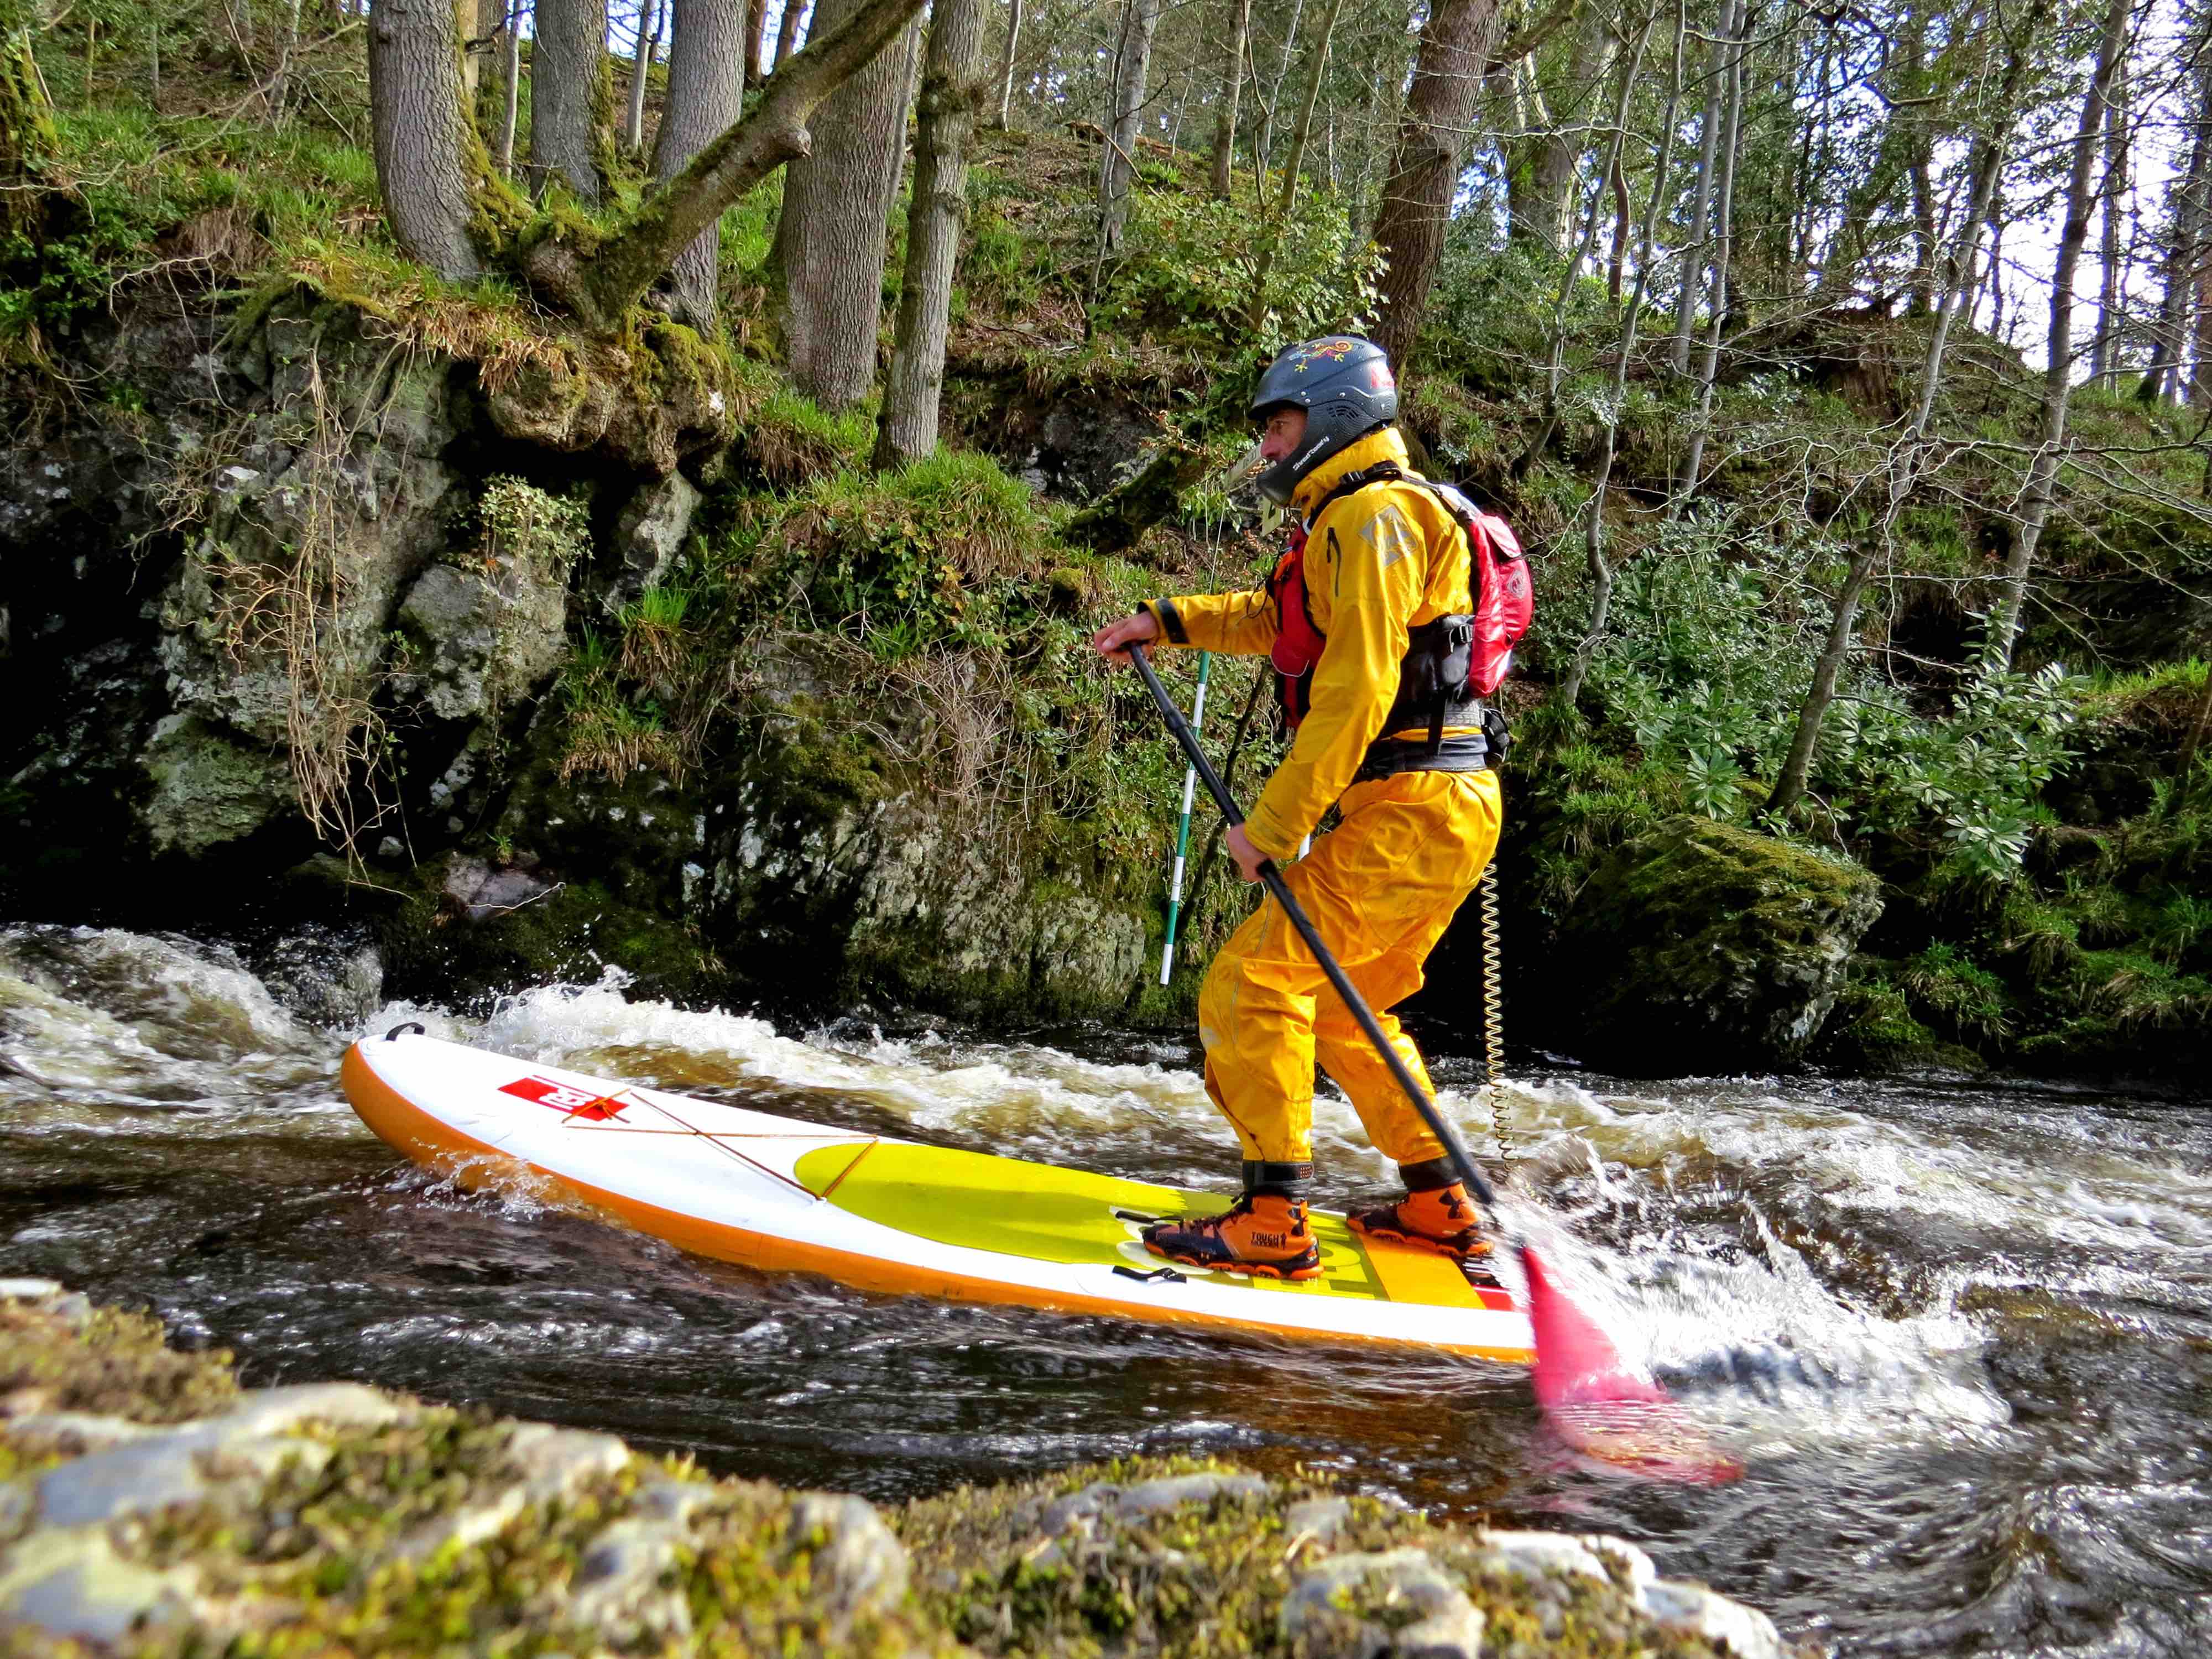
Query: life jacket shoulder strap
pixel 1352 482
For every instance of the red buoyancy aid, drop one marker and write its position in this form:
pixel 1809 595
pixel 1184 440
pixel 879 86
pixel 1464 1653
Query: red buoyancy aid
pixel 1503 596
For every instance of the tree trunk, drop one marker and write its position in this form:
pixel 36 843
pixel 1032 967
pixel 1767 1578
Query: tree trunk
pixel 1709 133
pixel 756 42
pixel 1919 165
pixel 1570 275
pixel 1006 65
pixel 1550 198
pixel 1263 139
pixel 1232 91
pixel 29 137
pixel 600 281
pixel 465 15
pixel 1815 153
pixel 1295 161
pixel 704 99
pixel 787 30
pixel 1117 163
pixel 490 93
pixel 1685 481
pixel 1257 312
pixel 420 132
pixel 2200 367
pixel 2184 239
pixel 1909 457
pixel 1425 166
pixel 1622 209
pixel 511 110
pixel 648 48
pixel 1601 569
pixel 951 89
pixel 2104 349
pixel 571 97
pixel 2057 375
pixel 832 241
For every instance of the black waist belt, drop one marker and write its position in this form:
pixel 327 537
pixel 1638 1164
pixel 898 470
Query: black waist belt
pixel 1460 751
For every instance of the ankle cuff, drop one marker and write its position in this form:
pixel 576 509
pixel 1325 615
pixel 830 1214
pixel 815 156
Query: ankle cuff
pixel 1430 1175
pixel 1283 1179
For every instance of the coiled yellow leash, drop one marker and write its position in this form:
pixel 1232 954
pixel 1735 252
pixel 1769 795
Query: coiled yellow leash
pixel 1494 1020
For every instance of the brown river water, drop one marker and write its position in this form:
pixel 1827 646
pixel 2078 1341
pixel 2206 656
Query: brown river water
pixel 1961 1337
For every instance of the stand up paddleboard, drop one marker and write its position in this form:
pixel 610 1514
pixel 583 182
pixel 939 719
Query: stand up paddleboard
pixel 884 1214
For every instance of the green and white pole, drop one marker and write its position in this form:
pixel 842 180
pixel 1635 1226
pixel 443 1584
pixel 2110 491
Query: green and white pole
pixel 1182 826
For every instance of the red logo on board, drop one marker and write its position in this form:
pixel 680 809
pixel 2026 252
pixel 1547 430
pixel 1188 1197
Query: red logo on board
pixel 563 1097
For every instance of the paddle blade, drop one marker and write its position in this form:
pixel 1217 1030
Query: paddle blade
pixel 1602 1407
pixel 1577 1364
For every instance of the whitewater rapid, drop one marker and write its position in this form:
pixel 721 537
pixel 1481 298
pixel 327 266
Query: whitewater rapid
pixel 1958 1333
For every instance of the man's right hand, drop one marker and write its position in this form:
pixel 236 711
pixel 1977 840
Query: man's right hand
pixel 1113 642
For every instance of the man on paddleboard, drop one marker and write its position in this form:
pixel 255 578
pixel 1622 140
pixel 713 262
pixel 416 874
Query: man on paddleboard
pixel 1382 624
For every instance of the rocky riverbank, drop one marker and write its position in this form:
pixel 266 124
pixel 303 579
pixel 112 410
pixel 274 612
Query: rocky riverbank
pixel 150 1506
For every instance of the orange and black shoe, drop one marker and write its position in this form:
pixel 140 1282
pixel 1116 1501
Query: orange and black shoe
pixel 1435 1215
pixel 1264 1235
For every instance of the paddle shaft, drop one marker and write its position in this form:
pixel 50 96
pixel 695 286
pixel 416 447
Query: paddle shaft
pixel 1456 1149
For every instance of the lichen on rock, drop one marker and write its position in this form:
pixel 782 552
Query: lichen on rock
pixel 190 1518
pixel 491 626
pixel 1193 1558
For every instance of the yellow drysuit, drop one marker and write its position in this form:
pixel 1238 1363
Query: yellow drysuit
pixel 1382 886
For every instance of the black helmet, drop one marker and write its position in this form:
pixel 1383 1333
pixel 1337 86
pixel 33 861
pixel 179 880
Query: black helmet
pixel 1344 385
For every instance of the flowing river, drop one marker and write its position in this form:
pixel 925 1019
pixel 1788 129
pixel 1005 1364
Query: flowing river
pixel 1961 1337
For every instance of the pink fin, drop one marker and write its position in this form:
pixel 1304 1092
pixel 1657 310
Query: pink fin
pixel 1577 1364
pixel 1600 1407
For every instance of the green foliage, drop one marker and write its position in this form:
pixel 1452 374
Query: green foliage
pixel 1954 992
pixel 1491 316
pixel 1979 773
pixel 1195 262
pixel 1701 666
pixel 908 559
pixel 520 521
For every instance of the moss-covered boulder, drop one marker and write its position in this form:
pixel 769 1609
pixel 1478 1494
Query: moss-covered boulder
pixel 1703 947
pixel 1194 1558
pixel 149 1508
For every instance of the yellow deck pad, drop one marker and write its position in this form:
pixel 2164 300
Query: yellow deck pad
pixel 1043 1213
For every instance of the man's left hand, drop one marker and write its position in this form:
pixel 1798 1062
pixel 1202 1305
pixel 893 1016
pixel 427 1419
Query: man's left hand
pixel 1249 858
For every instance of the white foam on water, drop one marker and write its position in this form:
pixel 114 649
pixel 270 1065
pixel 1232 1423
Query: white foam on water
pixel 99 1026
pixel 1760 1348
pixel 1747 1330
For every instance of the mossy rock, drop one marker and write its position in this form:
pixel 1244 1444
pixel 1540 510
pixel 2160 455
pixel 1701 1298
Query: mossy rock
pixel 1702 947
pixel 66 1356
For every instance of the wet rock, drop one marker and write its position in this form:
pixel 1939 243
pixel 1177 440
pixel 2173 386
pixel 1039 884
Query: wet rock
pixel 597 1551
pixel 1398 1602
pixel 650 534
pixel 485 636
pixel 185 1465
pixel 1538 1554
pixel 481 892
pixel 1147 1498
pixel 1317 1519
pixel 542 1465
pixel 1703 947
pixel 210 788
pixel 331 977
pixel 74 1433
pixel 863 1566
pixel 72 1584
pixel 618 1589
pixel 1749 1633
